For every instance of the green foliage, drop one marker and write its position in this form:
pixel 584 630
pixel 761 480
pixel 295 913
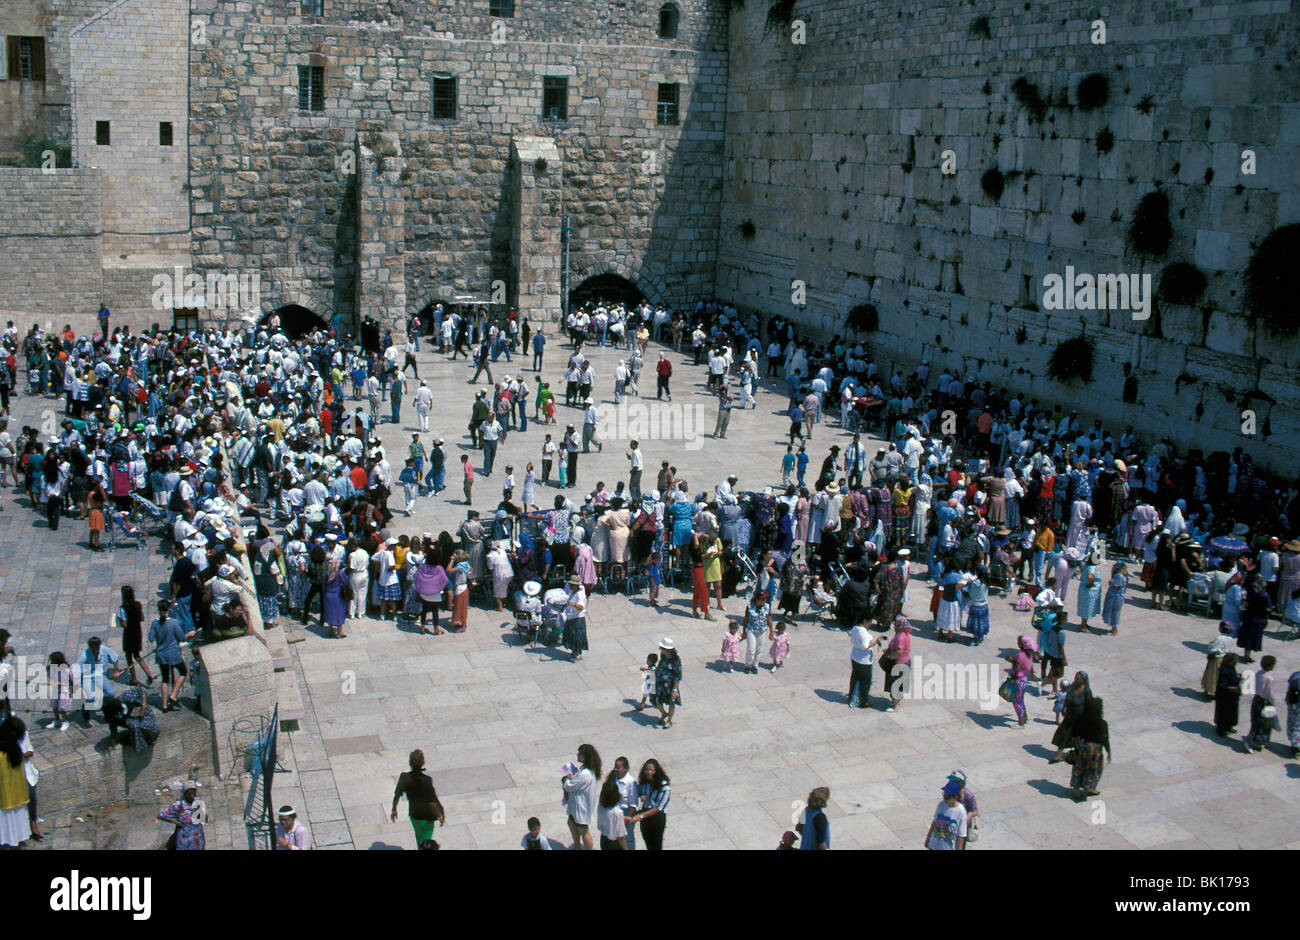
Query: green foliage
pixel 1149 233
pixel 32 148
pixel 1270 288
pixel 1180 283
pixel 1093 91
pixel 1071 359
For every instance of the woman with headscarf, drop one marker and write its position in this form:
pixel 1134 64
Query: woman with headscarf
pixel 430 586
pixel 977 605
pixel 1227 697
pixel 1114 602
pixel 947 620
pixel 677 516
pixel 617 522
pixel 1076 698
pixel 894 660
pixel 1022 666
pixel 458 573
pixel 1176 524
pixel 995 485
pixel 1143 521
pixel 1254 617
pixel 643 529
pixel 584 566
pixel 187 815
pixel 784 529
pixel 1091 750
pixel 575 619
pixel 498 564
pixel 1288 576
pixel 334 607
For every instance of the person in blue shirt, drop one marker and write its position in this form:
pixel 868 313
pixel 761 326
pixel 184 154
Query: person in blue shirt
pixel 94 666
pixel 539 346
pixel 815 827
pixel 167 635
pixel 801 464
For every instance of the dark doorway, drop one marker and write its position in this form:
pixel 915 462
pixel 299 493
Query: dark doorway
pixel 296 321
pixel 609 288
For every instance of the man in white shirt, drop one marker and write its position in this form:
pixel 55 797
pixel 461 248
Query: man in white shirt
pixel 359 576
pixel 636 463
pixel 628 795
pixel 861 658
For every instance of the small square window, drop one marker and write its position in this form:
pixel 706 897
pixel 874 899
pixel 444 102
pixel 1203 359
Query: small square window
pixel 501 7
pixel 164 133
pixel 185 319
pixel 313 7
pixel 444 98
pixel 102 136
pixel 555 98
pixel 667 111
pixel 311 88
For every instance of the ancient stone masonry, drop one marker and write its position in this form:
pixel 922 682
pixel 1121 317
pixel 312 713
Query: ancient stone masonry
pixel 381 284
pixel 834 178
pixel 272 188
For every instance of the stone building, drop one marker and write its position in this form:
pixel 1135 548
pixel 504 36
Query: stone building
pixel 933 166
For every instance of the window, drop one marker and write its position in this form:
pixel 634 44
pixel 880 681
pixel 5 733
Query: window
pixel 668 17
pixel 26 58
pixel 102 133
pixel 501 7
pixel 313 7
pixel 164 133
pixel 311 88
pixel 667 113
pixel 444 97
pixel 185 319
pixel 555 98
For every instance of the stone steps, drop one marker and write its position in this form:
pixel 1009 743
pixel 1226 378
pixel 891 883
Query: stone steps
pixel 288 697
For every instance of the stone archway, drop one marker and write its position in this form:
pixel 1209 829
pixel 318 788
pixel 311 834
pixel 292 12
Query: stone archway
pixel 611 288
pixel 296 320
pixel 581 270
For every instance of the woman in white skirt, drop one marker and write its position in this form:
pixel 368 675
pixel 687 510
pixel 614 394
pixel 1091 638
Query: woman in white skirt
pixel 15 827
pixel 948 620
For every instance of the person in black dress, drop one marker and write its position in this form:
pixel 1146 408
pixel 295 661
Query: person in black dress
pixel 130 618
pixel 1227 697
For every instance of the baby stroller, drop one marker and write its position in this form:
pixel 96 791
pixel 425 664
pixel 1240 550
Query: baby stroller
pixel 121 527
pixel 553 603
pixel 142 509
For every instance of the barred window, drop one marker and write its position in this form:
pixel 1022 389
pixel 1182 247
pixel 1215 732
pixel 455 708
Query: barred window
pixel 501 7
pixel 555 98
pixel 444 97
pixel 26 58
pixel 311 88
pixel 667 112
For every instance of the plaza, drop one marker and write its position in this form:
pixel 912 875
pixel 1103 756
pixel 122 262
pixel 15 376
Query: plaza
pixel 497 719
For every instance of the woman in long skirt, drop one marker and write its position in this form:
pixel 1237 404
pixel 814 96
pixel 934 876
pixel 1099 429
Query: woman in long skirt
pixel 1089 596
pixel 1227 697
pixel 334 610
pixel 1114 603
pixel 1253 619
pixel 977 614
pixel 1092 751
pixel 295 556
pixel 575 620
pixel 1293 714
pixel 947 619
pixel 458 572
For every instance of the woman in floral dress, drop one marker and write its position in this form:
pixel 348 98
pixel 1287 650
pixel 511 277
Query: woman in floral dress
pixel 187 814
pixel 1091 751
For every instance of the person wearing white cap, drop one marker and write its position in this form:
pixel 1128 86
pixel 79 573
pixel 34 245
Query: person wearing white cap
pixel 589 419
pixel 423 405
pixel 291 835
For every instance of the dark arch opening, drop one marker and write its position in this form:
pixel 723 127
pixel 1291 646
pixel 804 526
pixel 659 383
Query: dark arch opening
pixel 668 20
pixel 296 321
pixel 609 288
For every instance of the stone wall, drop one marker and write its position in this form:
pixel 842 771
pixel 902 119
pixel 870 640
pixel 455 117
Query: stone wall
pixel 833 156
pixel 49 242
pixel 270 189
pixel 128 68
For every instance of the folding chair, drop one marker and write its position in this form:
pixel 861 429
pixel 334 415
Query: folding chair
pixel 613 572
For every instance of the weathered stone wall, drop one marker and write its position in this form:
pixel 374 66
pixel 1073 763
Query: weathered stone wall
pixel 269 190
pixel 49 243
pixel 833 156
pixel 40 107
pixel 128 68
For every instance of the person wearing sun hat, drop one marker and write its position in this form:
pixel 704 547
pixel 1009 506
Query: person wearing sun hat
pixel 668 680
pixel 949 827
pixel 575 618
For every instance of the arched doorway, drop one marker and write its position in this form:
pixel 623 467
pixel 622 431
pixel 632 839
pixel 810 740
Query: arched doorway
pixel 296 321
pixel 609 288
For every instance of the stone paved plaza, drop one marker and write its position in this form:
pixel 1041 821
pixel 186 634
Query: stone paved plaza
pixel 497 720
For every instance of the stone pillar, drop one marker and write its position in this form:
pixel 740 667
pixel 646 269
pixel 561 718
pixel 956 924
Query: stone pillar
pixel 537 246
pixel 381 232
pixel 237 681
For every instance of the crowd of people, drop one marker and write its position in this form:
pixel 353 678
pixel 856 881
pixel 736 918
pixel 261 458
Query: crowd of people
pixel 201 436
